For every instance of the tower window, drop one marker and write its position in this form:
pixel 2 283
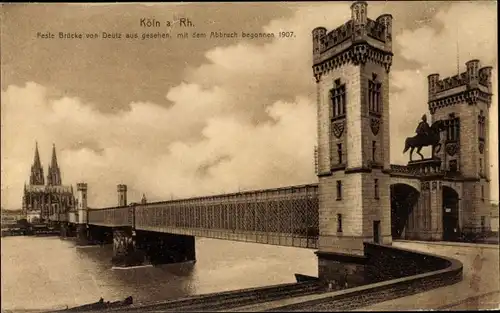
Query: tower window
pixel 453 128
pixel 339 152
pixel 374 92
pixel 375 182
pixel 338 99
pixel 339 190
pixel 481 121
pixel 480 166
pixel 339 223
pixel 482 193
pixel 374 147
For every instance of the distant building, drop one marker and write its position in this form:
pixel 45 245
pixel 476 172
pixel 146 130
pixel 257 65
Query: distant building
pixel 41 198
pixel 10 217
pixel 494 217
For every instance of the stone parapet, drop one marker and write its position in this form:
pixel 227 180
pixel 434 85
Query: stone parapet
pixel 412 272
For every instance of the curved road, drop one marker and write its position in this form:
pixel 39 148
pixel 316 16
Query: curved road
pixel 479 289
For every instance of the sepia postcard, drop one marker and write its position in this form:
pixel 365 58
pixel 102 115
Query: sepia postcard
pixel 249 156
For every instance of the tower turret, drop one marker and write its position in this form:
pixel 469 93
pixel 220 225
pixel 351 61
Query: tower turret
pixel 81 195
pixel 485 77
pixel 432 88
pixel 82 208
pixel 386 21
pixel 473 73
pixel 359 17
pixel 122 194
pixel 317 34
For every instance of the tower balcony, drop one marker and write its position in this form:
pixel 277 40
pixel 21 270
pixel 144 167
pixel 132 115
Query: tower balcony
pixel 429 166
pixel 419 168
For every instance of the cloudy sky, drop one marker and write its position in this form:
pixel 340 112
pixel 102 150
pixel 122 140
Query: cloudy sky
pixel 177 118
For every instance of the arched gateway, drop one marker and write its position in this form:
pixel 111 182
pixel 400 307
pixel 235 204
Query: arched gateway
pixel 404 201
pixel 450 213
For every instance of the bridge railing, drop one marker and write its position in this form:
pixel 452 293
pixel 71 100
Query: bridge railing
pixel 112 217
pixel 418 169
pixel 290 216
pixel 290 210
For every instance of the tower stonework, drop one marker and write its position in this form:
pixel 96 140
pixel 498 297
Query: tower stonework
pixel 81 195
pixel 351 65
pixel 463 101
pixel 122 194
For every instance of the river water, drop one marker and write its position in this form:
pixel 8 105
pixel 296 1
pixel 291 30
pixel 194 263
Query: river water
pixel 40 273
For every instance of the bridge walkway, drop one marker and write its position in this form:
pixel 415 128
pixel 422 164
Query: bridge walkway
pixel 477 290
pixel 480 288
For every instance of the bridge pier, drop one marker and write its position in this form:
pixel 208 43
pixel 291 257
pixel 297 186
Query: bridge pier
pixel 342 270
pixel 93 235
pixel 125 252
pixel 67 230
pixel 161 248
pixel 82 238
pixel 100 235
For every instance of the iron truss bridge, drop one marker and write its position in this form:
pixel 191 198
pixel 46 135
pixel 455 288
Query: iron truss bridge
pixel 284 216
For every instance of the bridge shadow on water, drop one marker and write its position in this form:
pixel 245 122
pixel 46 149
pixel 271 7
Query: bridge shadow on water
pixel 144 283
pixel 221 266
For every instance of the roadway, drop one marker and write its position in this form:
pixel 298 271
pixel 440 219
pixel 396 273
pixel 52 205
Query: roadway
pixel 479 289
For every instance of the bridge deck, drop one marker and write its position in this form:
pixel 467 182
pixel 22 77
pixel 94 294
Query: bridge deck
pixel 279 239
pixel 284 216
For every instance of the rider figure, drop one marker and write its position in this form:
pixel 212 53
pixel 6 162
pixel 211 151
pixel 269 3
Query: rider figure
pixel 423 128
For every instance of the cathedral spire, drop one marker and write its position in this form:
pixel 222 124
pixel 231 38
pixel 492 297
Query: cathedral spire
pixel 36 177
pixel 54 174
pixel 36 159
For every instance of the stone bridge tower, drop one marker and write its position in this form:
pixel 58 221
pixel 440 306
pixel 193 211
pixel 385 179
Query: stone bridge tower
pixel 463 101
pixel 351 65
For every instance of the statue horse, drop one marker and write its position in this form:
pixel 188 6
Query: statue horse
pixel 432 139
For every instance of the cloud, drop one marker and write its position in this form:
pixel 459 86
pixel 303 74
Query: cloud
pixel 246 118
pixel 144 148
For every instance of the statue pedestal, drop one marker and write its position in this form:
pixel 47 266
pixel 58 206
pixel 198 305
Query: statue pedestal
pixel 426 166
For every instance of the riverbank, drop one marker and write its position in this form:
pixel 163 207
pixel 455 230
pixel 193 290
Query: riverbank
pixel 21 232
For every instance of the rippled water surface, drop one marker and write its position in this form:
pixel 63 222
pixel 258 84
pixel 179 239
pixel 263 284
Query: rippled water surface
pixel 47 272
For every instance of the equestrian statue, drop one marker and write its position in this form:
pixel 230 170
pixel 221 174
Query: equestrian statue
pixel 426 136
